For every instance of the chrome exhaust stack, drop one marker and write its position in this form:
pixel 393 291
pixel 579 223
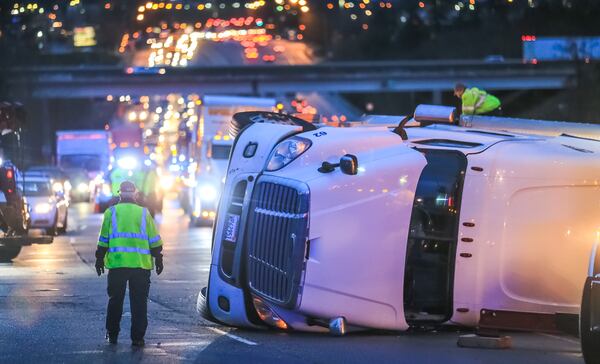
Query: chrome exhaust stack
pixel 338 326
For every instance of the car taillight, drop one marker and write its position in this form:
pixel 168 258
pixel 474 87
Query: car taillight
pixel 10 180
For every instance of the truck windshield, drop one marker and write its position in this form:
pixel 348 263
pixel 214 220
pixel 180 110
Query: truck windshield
pixel 36 189
pixel 89 162
pixel 220 151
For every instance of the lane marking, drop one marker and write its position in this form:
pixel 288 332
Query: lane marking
pixel 232 336
pixel 572 341
pixel 181 343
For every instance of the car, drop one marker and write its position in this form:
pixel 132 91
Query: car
pixel 49 207
pixel 396 227
pixel 15 218
pixel 81 184
pixel 57 174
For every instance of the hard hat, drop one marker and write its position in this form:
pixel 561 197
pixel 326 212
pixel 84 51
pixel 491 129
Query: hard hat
pixel 127 187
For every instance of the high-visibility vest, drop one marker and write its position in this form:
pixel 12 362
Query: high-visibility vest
pixel 476 101
pixel 129 232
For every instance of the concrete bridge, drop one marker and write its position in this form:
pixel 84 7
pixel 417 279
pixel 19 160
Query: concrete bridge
pixel 346 77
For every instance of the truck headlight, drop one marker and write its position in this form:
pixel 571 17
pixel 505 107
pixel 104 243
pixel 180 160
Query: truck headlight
pixel 128 163
pixel 42 208
pixel 286 151
pixel 208 193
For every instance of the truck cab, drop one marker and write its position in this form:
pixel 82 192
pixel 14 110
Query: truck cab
pixel 391 227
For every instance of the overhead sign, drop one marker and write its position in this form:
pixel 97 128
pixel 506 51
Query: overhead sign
pixel 84 37
pixel 560 48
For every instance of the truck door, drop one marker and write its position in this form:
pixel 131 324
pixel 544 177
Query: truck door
pixel 432 238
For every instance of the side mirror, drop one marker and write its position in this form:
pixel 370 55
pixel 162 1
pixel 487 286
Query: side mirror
pixel 349 164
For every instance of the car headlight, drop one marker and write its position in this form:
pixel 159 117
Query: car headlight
pixel 42 208
pixel 208 193
pixel 286 151
pixel 57 187
pixel 82 187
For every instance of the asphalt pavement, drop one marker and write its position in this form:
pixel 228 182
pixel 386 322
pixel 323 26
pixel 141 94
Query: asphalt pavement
pixel 52 310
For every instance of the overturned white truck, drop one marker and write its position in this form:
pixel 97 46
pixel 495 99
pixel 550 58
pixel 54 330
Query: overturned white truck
pixel 424 223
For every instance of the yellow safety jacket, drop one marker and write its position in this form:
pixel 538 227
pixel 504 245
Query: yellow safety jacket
pixel 129 233
pixel 476 102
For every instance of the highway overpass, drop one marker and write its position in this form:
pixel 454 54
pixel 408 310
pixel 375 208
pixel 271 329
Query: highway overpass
pixel 354 77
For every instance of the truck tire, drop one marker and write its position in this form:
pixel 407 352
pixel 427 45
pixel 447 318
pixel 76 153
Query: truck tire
pixel 8 253
pixel 590 340
pixel 202 306
pixel 243 119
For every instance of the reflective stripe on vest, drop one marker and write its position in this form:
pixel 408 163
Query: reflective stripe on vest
pixel 154 240
pixel 480 101
pixel 123 249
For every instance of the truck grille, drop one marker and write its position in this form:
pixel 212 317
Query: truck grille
pixel 277 239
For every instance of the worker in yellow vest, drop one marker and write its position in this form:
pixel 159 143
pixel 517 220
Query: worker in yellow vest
pixel 476 101
pixel 127 245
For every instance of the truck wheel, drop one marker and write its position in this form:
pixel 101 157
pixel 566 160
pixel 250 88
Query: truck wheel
pixel 243 119
pixel 8 253
pixel 589 339
pixel 202 306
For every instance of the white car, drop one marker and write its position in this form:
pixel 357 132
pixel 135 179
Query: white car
pixel 49 207
pixel 329 229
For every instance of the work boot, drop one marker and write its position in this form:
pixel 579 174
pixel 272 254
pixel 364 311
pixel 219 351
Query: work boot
pixel 138 343
pixel 111 339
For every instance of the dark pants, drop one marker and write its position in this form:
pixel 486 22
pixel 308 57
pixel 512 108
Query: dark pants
pixel 139 286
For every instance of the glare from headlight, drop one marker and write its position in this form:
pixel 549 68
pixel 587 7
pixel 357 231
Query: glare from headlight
pixel 82 187
pixel 166 182
pixel 106 190
pixel 42 208
pixel 208 193
pixel 286 151
pixel 57 187
pixel 127 163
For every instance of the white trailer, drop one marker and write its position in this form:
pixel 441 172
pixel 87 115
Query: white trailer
pixel 390 227
pixel 215 146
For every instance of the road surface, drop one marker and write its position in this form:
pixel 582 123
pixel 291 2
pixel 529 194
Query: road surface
pixel 52 309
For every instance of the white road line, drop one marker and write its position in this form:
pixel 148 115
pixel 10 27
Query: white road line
pixel 232 336
pixel 566 339
pixel 182 343
pixel 82 227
